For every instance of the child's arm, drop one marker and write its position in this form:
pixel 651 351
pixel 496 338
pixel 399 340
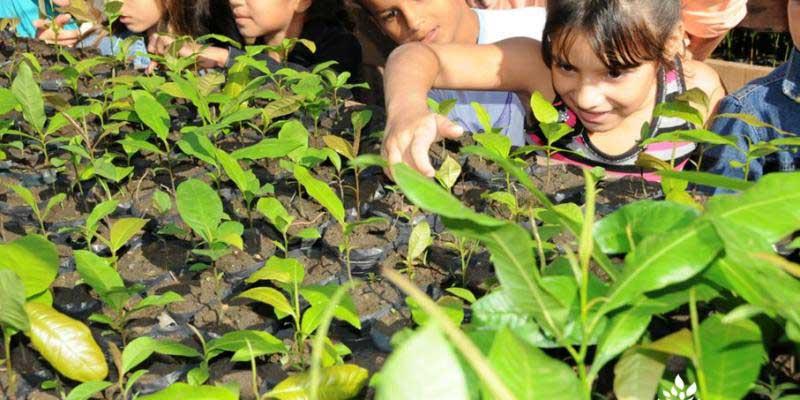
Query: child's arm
pixel 413 69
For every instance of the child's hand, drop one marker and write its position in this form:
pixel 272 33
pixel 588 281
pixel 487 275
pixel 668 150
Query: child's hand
pixel 409 139
pixel 209 57
pixel 53 32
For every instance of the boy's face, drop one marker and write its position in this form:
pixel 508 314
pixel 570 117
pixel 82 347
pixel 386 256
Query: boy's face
pixel 428 21
pixel 257 18
pixel 793 10
pixel 140 15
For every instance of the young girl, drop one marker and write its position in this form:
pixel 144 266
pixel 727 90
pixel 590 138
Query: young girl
pixel 607 64
pixel 271 21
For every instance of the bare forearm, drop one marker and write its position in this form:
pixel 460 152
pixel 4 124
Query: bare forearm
pixel 411 72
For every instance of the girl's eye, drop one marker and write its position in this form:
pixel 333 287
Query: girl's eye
pixel 389 15
pixel 616 73
pixel 566 67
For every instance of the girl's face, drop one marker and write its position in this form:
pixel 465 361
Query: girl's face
pixel 793 10
pixel 140 15
pixel 257 18
pixel 428 21
pixel 601 98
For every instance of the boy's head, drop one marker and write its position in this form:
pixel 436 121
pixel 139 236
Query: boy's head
pixel 430 21
pixel 793 11
pixel 266 18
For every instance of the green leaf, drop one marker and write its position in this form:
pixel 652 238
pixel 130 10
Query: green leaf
pixel 463 294
pixel 640 220
pixel 55 200
pixel 283 270
pixel 448 173
pixel 123 230
pixel 98 273
pixel 637 373
pixel 529 373
pixel 663 260
pixel 495 142
pixel 199 146
pixel 424 367
pixel 452 306
pixel 276 214
pixel 66 344
pixel 261 342
pixel 230 233
pixel 200 207
pixel 29 96
pixel 340 146
pixel 12 302
pixel 542 109
pixel 99 212
pixel 7 101
pixel 151 113
pixel 162 201
pixel 271 297
pixel 158 300
pixel 246 181
pixel 35 261
pixel 86 390
pixel 707 179
pixel 679 109
pixel 27 196
pixel 360 119
pixel 141 348
pixel 367 160
pixel 337 382
pixel 623 332
pixel 419 240
pixel 321 192
pixel 677 343
pixel 732 355
pixel 318 295
pixel 185 391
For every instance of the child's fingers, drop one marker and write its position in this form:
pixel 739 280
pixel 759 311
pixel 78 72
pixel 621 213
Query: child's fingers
pixel 448 129
pixel 62 19
pixel 41 24
pixel 151 68
pixel 420 146
pixel 62 3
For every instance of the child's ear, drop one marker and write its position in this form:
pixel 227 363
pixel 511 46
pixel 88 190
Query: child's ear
pixel 302 6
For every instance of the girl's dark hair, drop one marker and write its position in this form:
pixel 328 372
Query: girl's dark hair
pixel 622 33
pixel 331 11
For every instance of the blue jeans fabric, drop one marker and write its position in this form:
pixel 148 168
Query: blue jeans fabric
pixel 774 99
pixel 110 46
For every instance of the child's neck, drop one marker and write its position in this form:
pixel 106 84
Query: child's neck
pixel 293 30
pixel 468 30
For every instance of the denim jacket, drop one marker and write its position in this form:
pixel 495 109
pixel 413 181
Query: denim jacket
pixel 774 99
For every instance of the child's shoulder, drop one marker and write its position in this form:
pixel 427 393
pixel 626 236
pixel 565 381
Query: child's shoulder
pixel 700 75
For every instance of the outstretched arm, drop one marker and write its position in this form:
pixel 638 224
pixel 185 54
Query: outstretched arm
pixel 415 68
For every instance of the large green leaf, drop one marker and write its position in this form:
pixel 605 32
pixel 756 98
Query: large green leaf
pixel 338 382
pixel 283 270
pixel 732 355
pixel 185 391
pixel 424 367
pixel 7 101
pixel 86 390
pixel 321 192
pixel 123 230
pixel 511 247
pixel 151 113
pixel 99 212
pixel 320 296
pixel 637 373
pixel 98 273
pixel 200 207
pixel 29 96
pixel 768 209
pixel 246 181
pixel 12 302
pixel 663 260
pixel 495 311
pixel 291 137
pixel 198 145
pixel 640 220
pixel 34 259
pixel 677 343
pixel 277 215
pixel 529 373
pixel 623 332
pixel 66 344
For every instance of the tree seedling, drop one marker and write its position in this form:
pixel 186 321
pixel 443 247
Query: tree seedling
pixel 288 275
pixel 277 215
pixel 418 242
pixel 33 202
pixel 123 301
pixel 324 195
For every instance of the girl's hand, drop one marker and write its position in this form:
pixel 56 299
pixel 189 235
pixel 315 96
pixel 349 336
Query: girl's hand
pixel 209 57
pixel 53 32
pixel 408 139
